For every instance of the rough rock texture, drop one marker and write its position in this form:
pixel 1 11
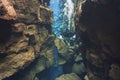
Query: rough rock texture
pixel 21 34
pixel 60 44
pixel 7 10
pixel 97 23
pixel 70 58
pixel 45 15
pixel 44 2
pixel 71 76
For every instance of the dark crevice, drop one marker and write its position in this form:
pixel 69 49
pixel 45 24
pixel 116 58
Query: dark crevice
pixel 5 30
pixel 2 11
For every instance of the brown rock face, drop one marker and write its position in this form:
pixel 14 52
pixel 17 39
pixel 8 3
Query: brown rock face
pixel 98 25
pixel 21 34
pixel 7 7
pixel 44 2
pixel 15 62
pixel 45 15
pixel 68 77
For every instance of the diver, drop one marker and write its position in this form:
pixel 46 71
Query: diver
pixel 68 33
pixel 69 37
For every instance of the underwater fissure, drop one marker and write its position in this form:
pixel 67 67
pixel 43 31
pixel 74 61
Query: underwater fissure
pixel 64 28
pixel 59 40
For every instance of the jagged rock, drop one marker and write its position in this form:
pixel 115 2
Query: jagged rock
pixel 33 70
pixel 36 78
pixel 49 55
pixel 43 32
pixel 19 27
pixel 79 68
pixel 60 43
pixel 45 2
pixel 63 49
pixel 94 59
pixel 45 15
pixel 78 57
pixel 66 52
pixel 114 72
pixel 26 10
pixel 17 46
pixel 86 78
pixel 12 63
pixel 47 51
pixel 24 36
pixel 7 10
pixel 97 23
pixel 71 76
pixel 61 61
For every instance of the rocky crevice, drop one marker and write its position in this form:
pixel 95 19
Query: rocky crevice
pixel 22 35
pixel 97 23
pixel 26 41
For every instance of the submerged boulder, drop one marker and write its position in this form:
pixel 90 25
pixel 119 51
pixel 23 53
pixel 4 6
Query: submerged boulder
pixel 63 49
pixel 71 76
pixel 12 63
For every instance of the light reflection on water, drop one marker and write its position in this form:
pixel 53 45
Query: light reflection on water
pixel 62 15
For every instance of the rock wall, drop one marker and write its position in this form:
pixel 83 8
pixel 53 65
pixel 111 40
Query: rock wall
pixel 71 76
pixel 25 26
pixel 97 23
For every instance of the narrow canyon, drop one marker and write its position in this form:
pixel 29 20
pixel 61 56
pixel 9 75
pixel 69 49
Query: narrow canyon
pixel 59 40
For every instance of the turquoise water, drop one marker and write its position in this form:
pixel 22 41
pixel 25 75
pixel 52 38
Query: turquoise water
pixel 56 56
pixel 54 5
pixel 63 12
pixel 56 70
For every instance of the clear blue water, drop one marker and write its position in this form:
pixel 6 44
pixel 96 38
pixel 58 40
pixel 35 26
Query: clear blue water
pixel 56 70
pixel 63 11
pixel 54 5
pixel 56 56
